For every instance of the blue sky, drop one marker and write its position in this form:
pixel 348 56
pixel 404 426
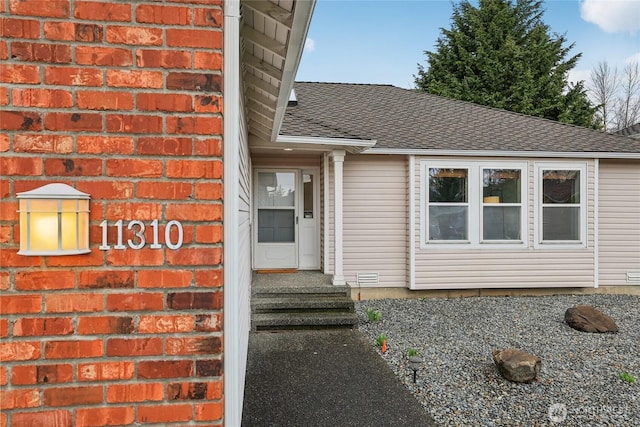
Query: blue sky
pixel 376 41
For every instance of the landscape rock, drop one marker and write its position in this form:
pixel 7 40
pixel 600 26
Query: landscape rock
pixel 587 318
pixel 516 365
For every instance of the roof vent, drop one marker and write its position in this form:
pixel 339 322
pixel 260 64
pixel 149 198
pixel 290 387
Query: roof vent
pixel 633 276
pixel 293 99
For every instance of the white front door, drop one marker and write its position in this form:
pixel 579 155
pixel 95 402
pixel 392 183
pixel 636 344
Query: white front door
pixel 309 246
pixel 276 216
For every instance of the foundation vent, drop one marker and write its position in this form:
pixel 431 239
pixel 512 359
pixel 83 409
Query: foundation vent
pixel 367 279
pixel 633 276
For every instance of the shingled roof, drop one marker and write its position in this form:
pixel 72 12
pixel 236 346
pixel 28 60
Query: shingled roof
pixel 401 119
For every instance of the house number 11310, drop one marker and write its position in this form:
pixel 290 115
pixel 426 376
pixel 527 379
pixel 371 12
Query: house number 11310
pixel 139 240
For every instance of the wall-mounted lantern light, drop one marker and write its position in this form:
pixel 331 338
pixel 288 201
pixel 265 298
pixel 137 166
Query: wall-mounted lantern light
pixel 54 220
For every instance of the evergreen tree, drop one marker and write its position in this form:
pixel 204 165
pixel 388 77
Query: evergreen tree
pixel 501 54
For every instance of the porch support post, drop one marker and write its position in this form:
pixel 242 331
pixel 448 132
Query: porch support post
pixel 338 162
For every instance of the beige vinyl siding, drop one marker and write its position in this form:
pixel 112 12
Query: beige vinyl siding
pixel 523 267
pixel 285 162
pixel 375 218
pixel 619 221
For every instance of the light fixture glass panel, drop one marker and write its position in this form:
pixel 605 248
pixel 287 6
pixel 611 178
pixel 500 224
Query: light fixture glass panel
pixel 44 231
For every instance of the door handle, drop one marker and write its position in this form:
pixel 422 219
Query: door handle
pixel 296 220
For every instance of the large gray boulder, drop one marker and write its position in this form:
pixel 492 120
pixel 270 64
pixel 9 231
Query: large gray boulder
pixel 589 319
pixel 516 365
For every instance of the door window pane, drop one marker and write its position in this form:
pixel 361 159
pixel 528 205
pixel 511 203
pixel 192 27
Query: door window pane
pixel 276 225
pixel 307 181
pixel 276 189
pixel 501 222
pixel 448 223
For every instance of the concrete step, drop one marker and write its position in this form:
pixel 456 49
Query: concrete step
pixel 286 291
pixel 303 320
pixel 301 303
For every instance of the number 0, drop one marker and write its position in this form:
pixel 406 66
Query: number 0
pixel 167 235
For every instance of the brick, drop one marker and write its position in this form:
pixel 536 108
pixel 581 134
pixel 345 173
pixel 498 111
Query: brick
pixel 70 303
pixel 194 38
pixel 97 55
pixel 73 349
pixel 4 276
pixel 73 122
pixel 104 416
pixel 98 100
pixel 19 28
pixel 194 212
pixel 209 278
pixel 72 167
pixel 164 102
pixel 107 189
pixel 89 33
pixel 209 368
pixel 41 374
pixel 50 144
pixel 140 211
pixel 20 304
pixel 134 123
pixel 95 258
pixel 44 280
pixel 209 191
pixel 41 52
pixel 208 104
pixel 106 279
pixel 3 376
pixel 100 325
pixel 19 398
pixel 166 15
pixel 10 257
pixel 165 324
pixel 163 146
pixel 164 413
pixel 186 391
pixel 209 17
pixel 14 73
pixel 21 166
pixel 194 125
pixel 72 396
pixel 134 36
pixel 208 147
pixel 195 256
pixel 49 8
pixel 19 350
pixel 194 300
pixel 59 31
pixel 104 145
pixel 163 59
pixel 141 392
pixel 20 120
pixel 209 233
pixel 105 371
pixel 165 278
pixel 199 82
pixel 164 190
pixel 102 11
pixel 4 92
pixel 28 327
pixel 73 76
pixel 57 418
pixel 134 168
pixel 194 345
pixel 43 98
pixel 142 301
pixel 4 328
pixel 142 257
pixel 134 347
pixel 153 369
pixel 135 78
pixel 209 411
pixel 194 169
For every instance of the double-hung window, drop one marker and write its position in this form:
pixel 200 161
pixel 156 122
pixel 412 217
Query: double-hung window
pixel 561 201
pixel 477 204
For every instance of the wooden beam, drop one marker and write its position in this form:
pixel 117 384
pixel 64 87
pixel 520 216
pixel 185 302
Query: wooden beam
pixel 270 10
pixel 264 41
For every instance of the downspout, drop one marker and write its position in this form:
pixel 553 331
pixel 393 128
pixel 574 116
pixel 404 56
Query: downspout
pixel 596 223
pixel 412 222
pixel 233 377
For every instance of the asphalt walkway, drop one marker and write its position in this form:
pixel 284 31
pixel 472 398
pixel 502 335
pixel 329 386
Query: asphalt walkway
pixel 323 378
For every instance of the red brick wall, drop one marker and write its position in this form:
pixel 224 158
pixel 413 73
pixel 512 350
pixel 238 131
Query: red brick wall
pixel 122 100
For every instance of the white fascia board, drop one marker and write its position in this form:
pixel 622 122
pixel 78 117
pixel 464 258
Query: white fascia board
pixel 315 143
pixel 303 10
pixel 491 153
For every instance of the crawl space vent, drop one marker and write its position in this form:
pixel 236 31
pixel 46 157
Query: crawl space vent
pixel 633 276
pixel 367 279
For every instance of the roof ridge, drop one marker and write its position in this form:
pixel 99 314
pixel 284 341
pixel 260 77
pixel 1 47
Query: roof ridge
pixel 346 83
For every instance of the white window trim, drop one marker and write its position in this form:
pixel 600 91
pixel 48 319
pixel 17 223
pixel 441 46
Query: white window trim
pixel 475 205
pixel 537 202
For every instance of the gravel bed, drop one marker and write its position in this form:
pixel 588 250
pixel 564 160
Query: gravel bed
pixel 458 384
